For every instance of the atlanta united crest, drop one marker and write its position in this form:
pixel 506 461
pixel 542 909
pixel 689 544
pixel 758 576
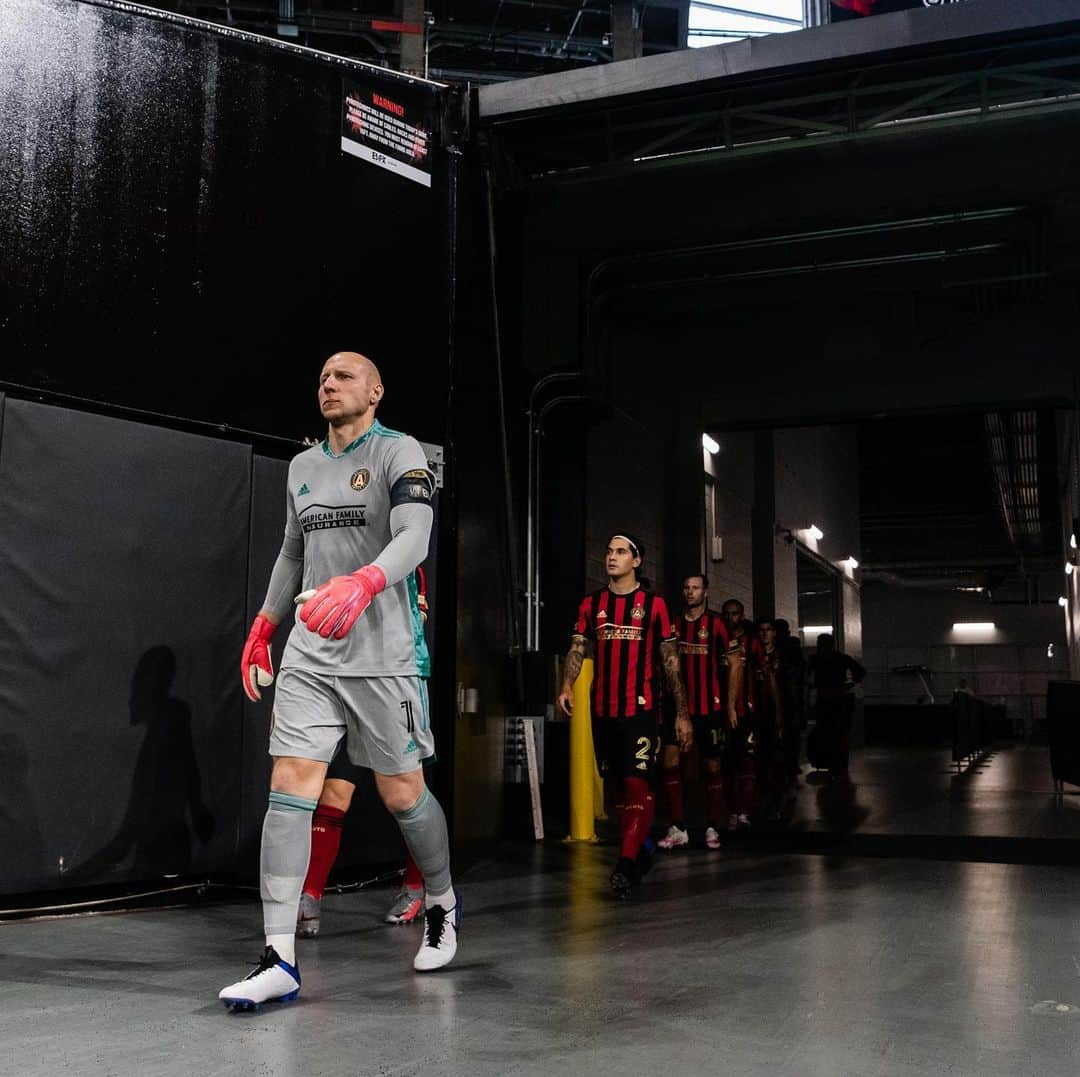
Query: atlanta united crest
pixel 360 479
pixel 637 613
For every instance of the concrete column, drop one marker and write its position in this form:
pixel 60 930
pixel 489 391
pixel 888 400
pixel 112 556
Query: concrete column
pixel 684 507
pixel 626 29
pixel 764 525
pixel 412 45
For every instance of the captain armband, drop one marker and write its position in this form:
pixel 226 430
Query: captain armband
pixel 416 487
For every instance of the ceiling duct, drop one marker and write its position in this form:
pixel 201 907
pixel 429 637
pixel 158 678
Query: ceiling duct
pixel 1013 442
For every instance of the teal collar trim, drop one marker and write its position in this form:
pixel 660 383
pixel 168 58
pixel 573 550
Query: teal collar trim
pixel 376 428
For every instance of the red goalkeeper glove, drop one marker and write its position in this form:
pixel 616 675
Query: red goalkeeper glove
pixel 332 609
pixel 255 667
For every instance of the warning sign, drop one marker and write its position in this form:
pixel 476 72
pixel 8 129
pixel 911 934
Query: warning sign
pixel 391 129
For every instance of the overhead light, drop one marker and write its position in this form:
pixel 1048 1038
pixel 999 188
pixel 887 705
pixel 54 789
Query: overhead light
pixel 709 445
pixel 815 532
pixel 1072 542
pixel 972 590
pixel 815 630
pixel 1062 601
pixel 974 626
pixel 1049 650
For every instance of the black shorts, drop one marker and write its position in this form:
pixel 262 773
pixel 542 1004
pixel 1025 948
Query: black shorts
pixel 627 747
pixel 745 738
pixel 342 769
pixel 710 734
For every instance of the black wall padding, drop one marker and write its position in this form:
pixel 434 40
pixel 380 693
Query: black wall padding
pixel 123 558
pixel 177 198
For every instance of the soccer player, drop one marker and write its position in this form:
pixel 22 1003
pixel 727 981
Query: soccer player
pixel 772 774
pixel 702 641
pixel 743 657
pixel 338 789
pixel 358 521
pixel 629 630
pixel 833 675
pixel 792 693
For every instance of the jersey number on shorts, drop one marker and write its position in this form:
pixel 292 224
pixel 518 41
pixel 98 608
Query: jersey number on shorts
pixel 406 706
pixel 644 749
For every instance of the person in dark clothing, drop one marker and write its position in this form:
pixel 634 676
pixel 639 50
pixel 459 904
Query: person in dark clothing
pixel 792 694
pixel 832 676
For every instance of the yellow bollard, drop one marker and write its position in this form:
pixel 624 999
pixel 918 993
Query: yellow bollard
pixel 583 775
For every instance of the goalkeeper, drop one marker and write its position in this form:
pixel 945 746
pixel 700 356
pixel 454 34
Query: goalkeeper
pixel 358 521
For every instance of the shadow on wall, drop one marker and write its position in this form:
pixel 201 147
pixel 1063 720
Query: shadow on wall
pixel 166 801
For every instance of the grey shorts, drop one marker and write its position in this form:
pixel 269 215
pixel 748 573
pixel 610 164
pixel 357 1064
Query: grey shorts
pixel 385 720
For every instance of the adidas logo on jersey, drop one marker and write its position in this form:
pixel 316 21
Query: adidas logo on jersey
pixel 303 490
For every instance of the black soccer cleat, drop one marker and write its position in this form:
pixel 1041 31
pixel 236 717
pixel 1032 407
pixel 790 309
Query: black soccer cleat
pixel 644 862
pixel 624 878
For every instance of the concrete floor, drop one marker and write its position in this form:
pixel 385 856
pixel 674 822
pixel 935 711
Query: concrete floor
pixel 1008 793
pixel 741 964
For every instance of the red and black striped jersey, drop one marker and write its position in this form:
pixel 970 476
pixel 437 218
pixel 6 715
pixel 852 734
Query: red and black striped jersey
pixel 626 632
pixel 753 656
pixel 702 644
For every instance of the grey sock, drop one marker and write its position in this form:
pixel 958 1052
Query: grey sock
pixel 286 848
pixel 423 826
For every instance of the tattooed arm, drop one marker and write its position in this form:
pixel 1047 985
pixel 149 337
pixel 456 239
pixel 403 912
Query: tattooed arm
pixel 669 655
pixel 736 664
pixel 579 649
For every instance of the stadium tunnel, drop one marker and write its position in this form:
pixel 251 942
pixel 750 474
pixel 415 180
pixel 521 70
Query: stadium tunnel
pixel 874 218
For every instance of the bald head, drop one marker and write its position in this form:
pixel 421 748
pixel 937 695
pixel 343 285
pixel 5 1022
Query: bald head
pixel 361 360
pixel 350 388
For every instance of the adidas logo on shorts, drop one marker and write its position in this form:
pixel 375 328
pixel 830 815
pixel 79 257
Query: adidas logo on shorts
pixel 411 747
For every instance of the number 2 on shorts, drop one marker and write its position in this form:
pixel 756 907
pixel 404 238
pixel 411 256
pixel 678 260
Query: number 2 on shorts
pixel 644 748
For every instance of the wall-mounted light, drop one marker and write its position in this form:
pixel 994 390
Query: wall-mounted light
pixel 811 632
pixel 709 444
pixel 1062 601
pixel 1072 542
pixel 1068 568
pixel 852 563
pixel 972 590
pixel 815 532
pixel 1049 650
pixel 973 626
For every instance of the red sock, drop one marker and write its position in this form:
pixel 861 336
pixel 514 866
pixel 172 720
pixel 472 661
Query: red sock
pixel 650 812
pixel 325 842
pixel 674 789
pixel 634 817
pixel 714 799
pixel 414 877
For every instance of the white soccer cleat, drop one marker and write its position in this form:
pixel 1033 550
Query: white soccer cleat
pixel 273 980
pixel 440 937
pixel 674 838
pixel 712 838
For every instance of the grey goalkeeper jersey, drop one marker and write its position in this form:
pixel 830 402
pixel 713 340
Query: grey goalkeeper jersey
pixel 338 514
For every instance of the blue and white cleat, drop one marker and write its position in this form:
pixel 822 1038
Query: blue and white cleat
pixel 440 937
pixel 273 981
